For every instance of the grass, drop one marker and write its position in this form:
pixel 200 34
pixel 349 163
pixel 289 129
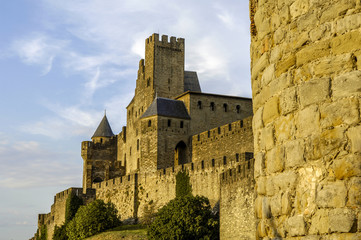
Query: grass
pixel 127 232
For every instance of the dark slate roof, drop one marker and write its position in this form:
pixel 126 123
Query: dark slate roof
pixel 168 108
pixel 104 129
pixel 191 82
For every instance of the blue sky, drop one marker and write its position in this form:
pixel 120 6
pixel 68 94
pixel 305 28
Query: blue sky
pixel 64 62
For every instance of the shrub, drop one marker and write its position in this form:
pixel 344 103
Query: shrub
pixel 185 218
pixel 182 186
pixel 60 233
pixel 91 219
pixel 73 202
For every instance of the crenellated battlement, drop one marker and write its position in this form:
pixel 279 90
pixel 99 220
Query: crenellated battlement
pixel 64 194
pixel 173 42
pixel 118 182
pixel 223 131
pixel 240 171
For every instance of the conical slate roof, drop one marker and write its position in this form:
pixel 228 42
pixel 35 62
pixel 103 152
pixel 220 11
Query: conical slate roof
pixel 104 129
pixel 167 107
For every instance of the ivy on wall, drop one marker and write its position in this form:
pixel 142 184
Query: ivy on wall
pixel 183 186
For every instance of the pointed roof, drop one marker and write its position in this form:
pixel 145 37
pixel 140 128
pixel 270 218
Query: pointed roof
pixel 104 129
pixel 167 107
pixel 191 82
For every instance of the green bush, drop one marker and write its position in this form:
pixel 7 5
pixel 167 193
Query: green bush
pixel 185 218
pixel 73 202
pixel 60 233
pixel 91 219
pixel 182 185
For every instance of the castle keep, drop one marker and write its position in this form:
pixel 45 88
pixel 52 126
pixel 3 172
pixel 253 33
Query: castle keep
pixel 172 126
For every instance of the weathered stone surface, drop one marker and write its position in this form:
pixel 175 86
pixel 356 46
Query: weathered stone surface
pixel 285 64
pixel 328 66
pixel 347 85
pixel 259 164
pixel 332 195
pixel 268 74
pixel 348 23
pixel 339 112
pixel 312 52
pixel 267 138
pixel 316 90
pixel 346 43
pixel 296 226
pixel 334 10
pixel 294 153
pixel 270 110
pixel 308 121
pixel 285 181
pixel 284 128
pixel 257 119
pixel 260 65
pixel 275 160
pixel 320 222
pixel 354 134
pixel 276 205
pixel 347 166
pixel 288 100
pixel 354 190
pixel 299 7
pixel 341 219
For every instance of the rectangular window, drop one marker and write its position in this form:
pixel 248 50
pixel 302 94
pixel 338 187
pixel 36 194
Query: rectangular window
pixel 138 144
pixel 169 122
pixel 181 124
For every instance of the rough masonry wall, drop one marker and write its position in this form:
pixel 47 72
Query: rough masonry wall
pixel 227 140
pixel 306 62
pixel 237 218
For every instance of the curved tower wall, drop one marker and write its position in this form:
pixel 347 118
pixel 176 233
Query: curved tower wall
pixel 306 83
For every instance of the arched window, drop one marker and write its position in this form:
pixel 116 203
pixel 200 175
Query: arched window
pixel 199 104
pixel 97 180
pixel 212 106
pixel 225 107
pixel 238 109
pixel 180 154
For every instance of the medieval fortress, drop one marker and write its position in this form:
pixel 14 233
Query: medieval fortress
pixel 286 165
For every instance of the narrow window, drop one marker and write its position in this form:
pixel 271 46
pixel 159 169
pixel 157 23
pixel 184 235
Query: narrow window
pixel 219 130
pixel 181 124
pixel 237 157
pixel 148 82
pixel 149 123
pixel 199 104
pixel 213 162
pixel 202 164
pixel 212 106
pixel 238 109
pixel 209 133
pixel 225 107
pixel 101 140
pixel 138 144
pixel 241 123
pixel 224 160
pixel 169 122
pixel 130 151
pixel 199 137
pixel 230 127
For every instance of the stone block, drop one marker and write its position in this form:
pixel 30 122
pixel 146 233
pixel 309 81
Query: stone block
pixel 259 164
pixel 275 160
pixel 347 85
pixel 354 134
pixel 276 54
pixel 279 35
pixel 276 205
pixel 299 7
pixel 285 64
pixel 307 21
pixel 288 100
pixel 284 14
pixel 348 23
pixel 261 185
pixel 354 196
pixel 314 91
pixel 341 219
pixel 320 222
pixel 286 203
pixel 257 119
pixel 296 226
pixel 320 31
pixel 284 128
pixel 336 9
pixel 270 187
pixel 270 110
pixel 332 195
pixel 268 74
pixel 294 151
pixel 339 112
pixel 260 65
pixel 312 52
pixel 346 43
pixel 267 138
pixel 347 167
pixel 329 66
pixel 308 121
pixel 285 181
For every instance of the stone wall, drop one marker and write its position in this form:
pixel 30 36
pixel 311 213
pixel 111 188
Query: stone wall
pixel 237 217
pixel 305 60
pixel 227 140
pixel 56 217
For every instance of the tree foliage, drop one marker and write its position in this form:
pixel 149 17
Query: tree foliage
pixel 182 186
pixel 73 202
pixel 60 232
pixel 184 218
pixel 91 219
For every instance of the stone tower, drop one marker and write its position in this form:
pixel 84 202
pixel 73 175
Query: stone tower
pixel 306 84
